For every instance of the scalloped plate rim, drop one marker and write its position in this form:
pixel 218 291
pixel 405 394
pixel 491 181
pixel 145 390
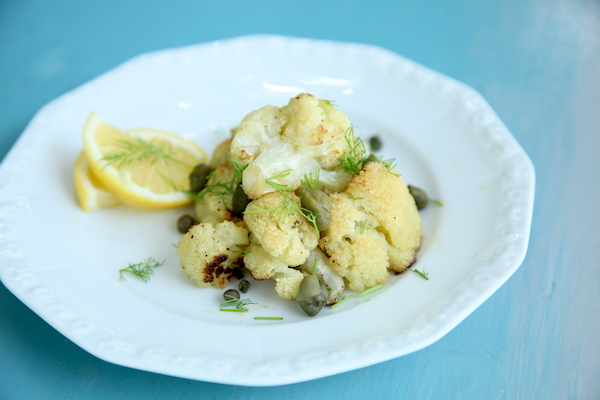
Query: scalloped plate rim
pixel 19 280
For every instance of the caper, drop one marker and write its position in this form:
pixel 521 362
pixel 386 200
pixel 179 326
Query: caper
pixel 231 294
pixel 199 177
pixel 419 195
pixel 375 143
pixel 240 200
pixel 312 295
pixel 244 285
pixel 318 202
pixel 185 222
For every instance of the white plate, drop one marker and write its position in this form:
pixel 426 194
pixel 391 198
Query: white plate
pixel 64 263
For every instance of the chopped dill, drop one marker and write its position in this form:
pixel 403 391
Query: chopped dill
pixel 268 318
pixel 363 226
pixel 344 299
pixel 369 290
pixel 436 202
pixel 142 270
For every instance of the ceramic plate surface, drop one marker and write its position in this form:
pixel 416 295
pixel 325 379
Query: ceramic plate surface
pixel 64 263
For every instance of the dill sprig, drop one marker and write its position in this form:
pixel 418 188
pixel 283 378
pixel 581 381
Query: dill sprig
pixel 238 171
pixel 138 150
pixel 311 181
pixel 238 304
pixel 278 186
pixel 287 206
pixel 268 318
pixel 220 188
pixel 310 216
pixel 143 270
pixel 215 187
pixel 389 165
pixel 352 161
pixel 330 103
pixel 423 274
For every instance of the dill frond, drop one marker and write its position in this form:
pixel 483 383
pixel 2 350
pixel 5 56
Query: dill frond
pixel 142 270
pixel 218 188
pixel 389 165
pixel 138 150
pixel 423 274
pixel 278 186
pixel 352 161
pixel 287 206
pixel 239 304
pixel 311 181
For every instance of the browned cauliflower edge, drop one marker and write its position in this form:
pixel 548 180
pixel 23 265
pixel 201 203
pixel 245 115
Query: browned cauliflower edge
pixel 211 254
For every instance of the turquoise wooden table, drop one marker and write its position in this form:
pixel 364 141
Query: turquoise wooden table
pixel 536 62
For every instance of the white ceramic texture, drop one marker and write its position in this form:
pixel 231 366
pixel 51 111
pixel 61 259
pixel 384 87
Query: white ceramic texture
pixel 63 263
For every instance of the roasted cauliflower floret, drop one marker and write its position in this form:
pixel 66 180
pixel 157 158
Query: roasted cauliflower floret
pixel 382 194
pixel 210 254
pixel 374 228
pixel 277 224
pixel 306 136
pixel 281 238
pixel 214 204
pixel 263 265
pixel 295 192
pixel 357 252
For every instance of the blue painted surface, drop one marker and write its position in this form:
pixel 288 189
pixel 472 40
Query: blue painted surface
pixel 537 62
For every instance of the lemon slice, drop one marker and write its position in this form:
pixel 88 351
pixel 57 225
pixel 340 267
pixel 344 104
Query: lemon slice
pixel 90 192
pixel 145 168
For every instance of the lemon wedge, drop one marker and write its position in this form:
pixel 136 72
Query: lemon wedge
pixel 145 168
pixel 90 192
